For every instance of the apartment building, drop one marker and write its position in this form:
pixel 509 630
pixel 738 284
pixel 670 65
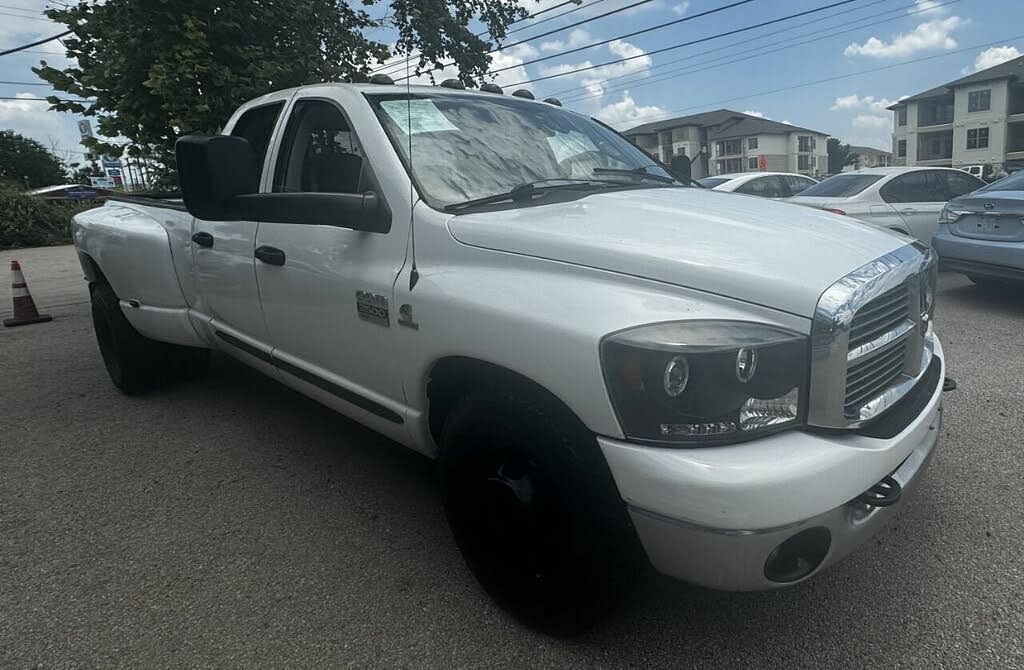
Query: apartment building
pixel 724 141
pixel 869 157
pixel 974 120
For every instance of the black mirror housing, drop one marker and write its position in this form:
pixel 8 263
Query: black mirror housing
pixel 213 170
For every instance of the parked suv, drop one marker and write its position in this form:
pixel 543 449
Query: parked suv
pixel 905 199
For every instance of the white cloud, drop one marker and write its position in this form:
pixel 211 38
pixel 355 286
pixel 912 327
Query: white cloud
pixel 871 121
pixel 626 113
pixel 854 101
pixel 512 58
pixel 56 131
pixel 681 8
pixel 579 37
pixel 927 7
pixel 994 56
pixel 756 113
pixel 592 79
pixel 554 45
pixel 935 34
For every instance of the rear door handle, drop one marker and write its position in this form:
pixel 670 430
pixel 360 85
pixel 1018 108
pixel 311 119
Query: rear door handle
pixel 908 210
pixel 270 255
pixel 203 239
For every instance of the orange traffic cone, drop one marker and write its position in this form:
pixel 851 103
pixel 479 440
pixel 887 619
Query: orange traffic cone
pixel 25 311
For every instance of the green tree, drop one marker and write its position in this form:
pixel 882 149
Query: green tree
pixel 79 174
pixel 839 155
pixel 153 70
pixel 25 163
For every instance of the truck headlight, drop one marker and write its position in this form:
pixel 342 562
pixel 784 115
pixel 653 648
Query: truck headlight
pixel 705 382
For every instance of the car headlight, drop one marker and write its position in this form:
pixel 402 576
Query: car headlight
pixel 948 215
pixel 694 383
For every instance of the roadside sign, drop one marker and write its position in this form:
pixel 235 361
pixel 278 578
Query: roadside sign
pixel 109 162
pixel 82 193
pixel 101 182
pixel 762 162
pixel 85 128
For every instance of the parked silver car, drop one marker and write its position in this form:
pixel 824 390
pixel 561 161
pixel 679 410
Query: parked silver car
pixel 982 234
pixel 906 199
pixel 774 185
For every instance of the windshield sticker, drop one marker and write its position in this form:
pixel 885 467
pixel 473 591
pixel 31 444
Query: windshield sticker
pixel 417 116
pixel 567 145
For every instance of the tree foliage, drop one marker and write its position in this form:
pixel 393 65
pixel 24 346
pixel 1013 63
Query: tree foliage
pixel 153 70
pixel 839 155
pixel 25 163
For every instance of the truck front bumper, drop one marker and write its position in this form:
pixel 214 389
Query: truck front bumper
pixel 771 512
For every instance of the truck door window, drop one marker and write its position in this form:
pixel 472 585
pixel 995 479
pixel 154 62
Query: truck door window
pixel 257 125
pixel 319 152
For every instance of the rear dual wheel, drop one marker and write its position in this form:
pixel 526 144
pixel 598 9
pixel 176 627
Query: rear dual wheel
pixel 134 362
pixel 534 510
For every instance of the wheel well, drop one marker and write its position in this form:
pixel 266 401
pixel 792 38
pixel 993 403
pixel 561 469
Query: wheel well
pixel 453 377
pixel 91 268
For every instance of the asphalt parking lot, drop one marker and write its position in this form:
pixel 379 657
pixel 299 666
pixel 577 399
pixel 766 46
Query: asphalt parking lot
pixel 232 522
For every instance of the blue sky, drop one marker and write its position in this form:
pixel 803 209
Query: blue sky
pixel 756 71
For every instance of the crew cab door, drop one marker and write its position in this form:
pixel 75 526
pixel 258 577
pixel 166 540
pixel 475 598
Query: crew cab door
pixel 327 291
pixel 229 307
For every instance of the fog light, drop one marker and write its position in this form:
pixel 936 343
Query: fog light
pixel 798 556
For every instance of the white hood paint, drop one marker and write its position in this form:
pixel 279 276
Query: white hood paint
pixel 752 249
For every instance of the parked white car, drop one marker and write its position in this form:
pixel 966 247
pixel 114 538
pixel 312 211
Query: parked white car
pixel 904 199
pixel 600 357
pixel 773 185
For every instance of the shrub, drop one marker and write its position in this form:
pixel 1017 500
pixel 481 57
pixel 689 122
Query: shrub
pixel 28 221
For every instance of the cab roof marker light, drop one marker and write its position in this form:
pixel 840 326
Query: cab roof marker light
pixel 382 79
pixel 453 83
pixel 523 93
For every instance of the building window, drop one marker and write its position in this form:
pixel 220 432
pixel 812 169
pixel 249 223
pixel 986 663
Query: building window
pixel 751 143
pixel 977 138
pixel 751 163
pixel 806 143
pixel 901 116
pixel 979 101
pixel 729 147
pixel 901 149
pixel 803 162
pixel 731 165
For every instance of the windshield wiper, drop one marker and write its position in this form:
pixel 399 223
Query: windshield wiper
pixel 525 192
pixel 640 172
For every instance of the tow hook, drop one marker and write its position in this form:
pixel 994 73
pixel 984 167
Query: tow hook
pixel 883 494
pixel 948 384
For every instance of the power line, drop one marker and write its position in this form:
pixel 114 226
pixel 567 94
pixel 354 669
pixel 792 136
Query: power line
pixel 22 16
pixel 829 79
pixel 24 83
pixel 485 32
pixel 731 45
pixel 556 16
pixel 45 99
pixel 600 16
pixel 730 60
pixel 36 43
pixel 664 49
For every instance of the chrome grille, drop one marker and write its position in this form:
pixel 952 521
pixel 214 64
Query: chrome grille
pixel 879 316
pixel 870 338
pixel 868 379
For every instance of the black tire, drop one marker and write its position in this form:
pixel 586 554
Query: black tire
pixel 134 362
pixel 534 510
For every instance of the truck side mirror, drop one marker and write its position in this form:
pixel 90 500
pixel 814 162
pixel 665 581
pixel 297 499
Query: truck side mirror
pixel 213 170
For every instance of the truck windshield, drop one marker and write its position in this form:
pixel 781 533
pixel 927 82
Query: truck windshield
pixel 840 186
pixel 471 147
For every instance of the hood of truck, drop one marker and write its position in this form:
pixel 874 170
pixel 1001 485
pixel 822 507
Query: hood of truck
pixel 752 249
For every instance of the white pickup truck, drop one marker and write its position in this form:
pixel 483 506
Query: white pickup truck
pixel 606 363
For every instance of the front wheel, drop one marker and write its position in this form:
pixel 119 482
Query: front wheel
pixel 534 510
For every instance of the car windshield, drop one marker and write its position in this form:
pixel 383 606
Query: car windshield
pixel 1014 182
pixel 840 186
pixel 467 147
pixel 711 182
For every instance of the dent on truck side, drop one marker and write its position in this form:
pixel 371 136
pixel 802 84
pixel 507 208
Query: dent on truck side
pixel 131 251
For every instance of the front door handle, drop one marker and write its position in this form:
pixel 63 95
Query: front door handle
pixel 203 239
pixel 270 255
pixel 908 210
